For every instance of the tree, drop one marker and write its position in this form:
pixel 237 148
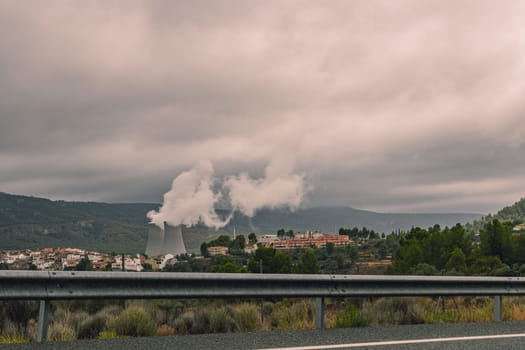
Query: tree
pixel 147 267
pixel 226 264
pixel 518 247
pixel 221 241
pixel 457 261
pixel 452 238
pixel 280 263
pixel 495 240
pixel 85 264
pixel 382 249
pixel 309 263
pixel 409 255
pixel 352 253
pixel 330 247
pixel 252 238
pixel 374 235
pixel 361 234
pixel 484 265
pixel 272 261
pixel 204 250
pixel 238 243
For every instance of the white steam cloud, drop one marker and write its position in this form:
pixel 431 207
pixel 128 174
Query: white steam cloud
pixel 192 199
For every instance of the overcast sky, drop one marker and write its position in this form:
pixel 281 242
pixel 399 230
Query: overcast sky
pixel 394 106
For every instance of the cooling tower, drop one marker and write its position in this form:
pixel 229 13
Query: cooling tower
pixel 167 241
pixel 155 244
pixel 173 242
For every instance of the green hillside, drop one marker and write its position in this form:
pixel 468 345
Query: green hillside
pixel 29 222
pixel 512 215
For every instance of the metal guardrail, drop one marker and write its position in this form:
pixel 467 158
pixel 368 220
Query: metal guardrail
pixel 66 285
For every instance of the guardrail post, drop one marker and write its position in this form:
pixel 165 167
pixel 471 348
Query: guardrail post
pixel 319 312
pixel 42 321
pixel 497 308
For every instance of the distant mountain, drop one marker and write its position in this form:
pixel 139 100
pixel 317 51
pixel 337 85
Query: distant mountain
pixel 29 222
pixel 329 220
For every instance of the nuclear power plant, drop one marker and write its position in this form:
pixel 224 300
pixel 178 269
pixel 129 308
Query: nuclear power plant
pixel 167 241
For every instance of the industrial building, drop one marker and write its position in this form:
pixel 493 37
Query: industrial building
pixel 165 241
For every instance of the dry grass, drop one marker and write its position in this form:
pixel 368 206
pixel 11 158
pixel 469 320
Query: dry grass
pixel 286 314
pixel 165 330
pixel 293 314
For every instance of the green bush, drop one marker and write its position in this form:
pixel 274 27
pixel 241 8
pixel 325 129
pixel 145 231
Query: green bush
pixel 133 322
pixel 447 316
pixel 351 317
pixel 221 321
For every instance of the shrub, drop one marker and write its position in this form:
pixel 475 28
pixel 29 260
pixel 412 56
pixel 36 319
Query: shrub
pixel 351 317
pixel 293 315
pixel 201 322
pixel 15 339
pixel 394 311
pixel 184 323
pixel 447 316
pixel 19 312
pixel 59 331
pixel 133 322
pixel 165 330
pixel 11 329
pixel 247 317
pixel 221 321
pixel 108 335
pixel 91 306
pixel 73 319
pixel 109 312
pixel 92 327
pixel 166 311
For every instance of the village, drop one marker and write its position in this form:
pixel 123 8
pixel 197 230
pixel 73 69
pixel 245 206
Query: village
pixel 56 259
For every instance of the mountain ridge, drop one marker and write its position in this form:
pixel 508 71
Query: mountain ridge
pixel 33 222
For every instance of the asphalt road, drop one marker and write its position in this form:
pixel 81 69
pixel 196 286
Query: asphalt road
pixel 479 336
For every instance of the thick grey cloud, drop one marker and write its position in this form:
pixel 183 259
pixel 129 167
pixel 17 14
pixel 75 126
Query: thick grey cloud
pixel 394 106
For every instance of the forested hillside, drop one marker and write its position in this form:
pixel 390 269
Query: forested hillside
pixel 512 215
pixel 496 250
pixel 29 222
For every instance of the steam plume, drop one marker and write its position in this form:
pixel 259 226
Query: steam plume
pixel 192 200
pixel 280 187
